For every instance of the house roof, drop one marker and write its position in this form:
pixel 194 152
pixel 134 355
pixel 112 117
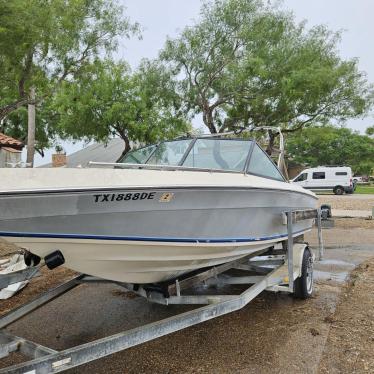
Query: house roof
pixel 7 141
pixel 109 152
pixel 12 150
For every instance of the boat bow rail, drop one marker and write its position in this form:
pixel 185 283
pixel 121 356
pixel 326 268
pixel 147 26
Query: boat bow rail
pixel 276 269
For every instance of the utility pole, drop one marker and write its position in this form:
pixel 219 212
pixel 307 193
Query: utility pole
pixel 31 129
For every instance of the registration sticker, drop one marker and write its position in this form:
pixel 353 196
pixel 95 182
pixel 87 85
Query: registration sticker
pixel 166 197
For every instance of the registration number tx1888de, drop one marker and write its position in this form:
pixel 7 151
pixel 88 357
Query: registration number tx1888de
pixel 101 198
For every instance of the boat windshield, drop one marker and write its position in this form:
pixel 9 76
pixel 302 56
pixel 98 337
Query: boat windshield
pixel 208 153
pixel 169 153
pixel 139 156
pixel 224 154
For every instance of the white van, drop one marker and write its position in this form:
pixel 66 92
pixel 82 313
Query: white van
pixel 327 178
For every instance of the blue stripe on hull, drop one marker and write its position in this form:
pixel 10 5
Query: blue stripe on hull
pixel 144 239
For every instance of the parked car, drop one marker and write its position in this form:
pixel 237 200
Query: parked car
pixel 327 178
pixel 363 179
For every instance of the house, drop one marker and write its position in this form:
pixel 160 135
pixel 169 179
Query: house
pixel 108 152
pixel 294 168
pixel 10 151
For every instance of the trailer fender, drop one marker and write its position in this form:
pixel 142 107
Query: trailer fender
pixel 298 256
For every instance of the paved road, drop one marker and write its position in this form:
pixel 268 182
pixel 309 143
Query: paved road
pixel 273 331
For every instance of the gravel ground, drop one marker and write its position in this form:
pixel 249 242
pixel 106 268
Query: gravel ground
pixel 354 223
pixel 347 231
pixel 350 343
pixel 273 334
pixel 48 280
pixel 6 247
pixel 348 202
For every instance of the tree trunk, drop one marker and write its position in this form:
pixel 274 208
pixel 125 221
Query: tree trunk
pixel 269 148
pixel 31 129
pixel 127 147
pixel 208 120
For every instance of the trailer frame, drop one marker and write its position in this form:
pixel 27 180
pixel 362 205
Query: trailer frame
pixel 273 269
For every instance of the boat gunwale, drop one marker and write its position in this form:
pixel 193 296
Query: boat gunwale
pixel 131 188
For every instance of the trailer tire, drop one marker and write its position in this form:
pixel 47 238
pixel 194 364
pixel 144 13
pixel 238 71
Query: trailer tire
pixel 338 190
pixel 303 286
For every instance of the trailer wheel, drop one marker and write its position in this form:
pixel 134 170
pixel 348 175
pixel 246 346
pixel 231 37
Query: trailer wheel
pixel 303 286
pixel 338 190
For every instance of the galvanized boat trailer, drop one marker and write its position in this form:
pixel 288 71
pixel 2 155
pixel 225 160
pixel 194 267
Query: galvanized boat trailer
pixel 288 268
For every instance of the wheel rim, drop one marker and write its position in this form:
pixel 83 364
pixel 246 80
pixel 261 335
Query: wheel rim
pixel 309 275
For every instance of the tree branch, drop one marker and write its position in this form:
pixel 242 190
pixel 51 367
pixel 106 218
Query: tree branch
pixel 9 108
pixel 25 73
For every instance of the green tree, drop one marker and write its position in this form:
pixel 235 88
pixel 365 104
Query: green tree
pixel 329 145
pixel 44 43
pixel 370 131
pixel 109 100
pixel 245 63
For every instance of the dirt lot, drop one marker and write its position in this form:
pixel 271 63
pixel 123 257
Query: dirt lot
pixel 330 333
pixel 350 343
pixel 349 202
pixel 38 285
pixel 347 231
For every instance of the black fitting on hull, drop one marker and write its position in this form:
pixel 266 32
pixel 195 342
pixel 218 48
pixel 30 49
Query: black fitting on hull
pixel 54 259
pixel 31 259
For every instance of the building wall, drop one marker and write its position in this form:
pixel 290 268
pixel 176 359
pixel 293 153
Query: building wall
pixel 295 170
pixel 7 157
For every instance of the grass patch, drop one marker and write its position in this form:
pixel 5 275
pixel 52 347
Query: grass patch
pixel 365 189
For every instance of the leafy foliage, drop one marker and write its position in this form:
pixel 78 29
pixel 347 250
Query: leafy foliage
pixel 370 131
pixel 244 63
pixel 109 100
pixel 44 43
pixel 249 64
pixel 330 145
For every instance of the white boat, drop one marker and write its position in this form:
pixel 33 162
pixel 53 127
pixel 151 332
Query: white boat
pixel 166 210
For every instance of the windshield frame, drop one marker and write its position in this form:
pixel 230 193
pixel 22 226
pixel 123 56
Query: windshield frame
pixel 180 165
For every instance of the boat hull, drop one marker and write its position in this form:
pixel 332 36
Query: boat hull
pixel 139 262
pixel 149 235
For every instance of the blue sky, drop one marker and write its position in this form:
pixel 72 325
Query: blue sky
pixel 162 18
